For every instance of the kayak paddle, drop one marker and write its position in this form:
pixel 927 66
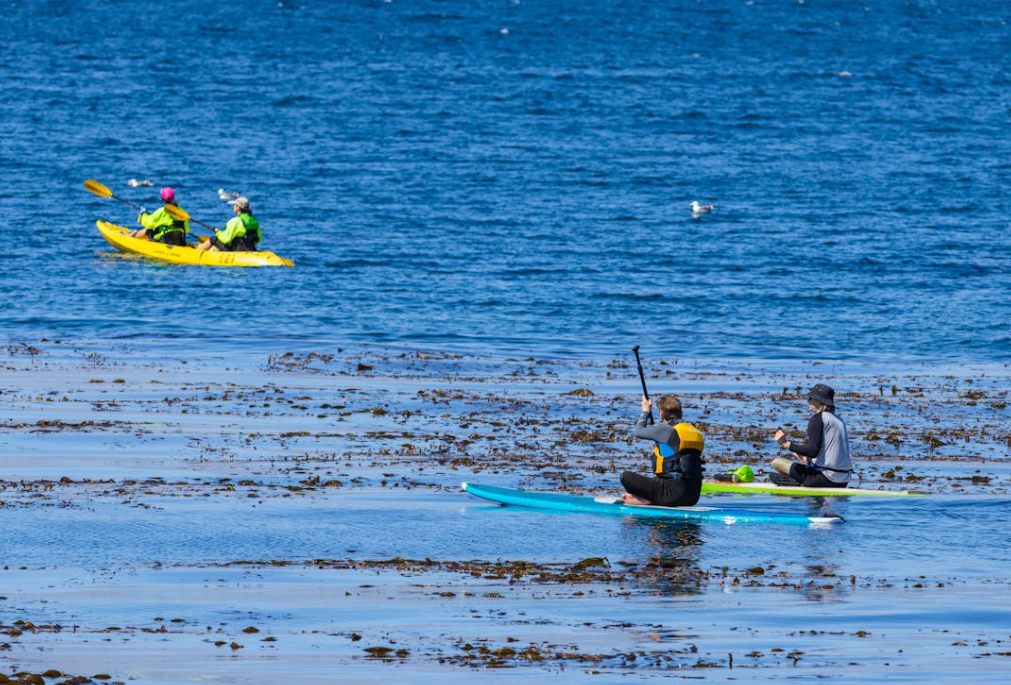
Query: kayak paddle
pixel 180 214
pixel 102 191
pixel 642 379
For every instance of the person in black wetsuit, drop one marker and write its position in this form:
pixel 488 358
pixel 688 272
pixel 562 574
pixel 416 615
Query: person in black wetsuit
pixel 677 458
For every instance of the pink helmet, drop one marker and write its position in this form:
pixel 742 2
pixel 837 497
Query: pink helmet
pixel 168 195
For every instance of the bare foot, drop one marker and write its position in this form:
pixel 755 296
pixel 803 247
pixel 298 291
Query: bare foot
pixel 782 465
pixel 629 498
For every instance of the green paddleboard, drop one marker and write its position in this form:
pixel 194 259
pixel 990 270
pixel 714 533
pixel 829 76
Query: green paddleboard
pixel 756 488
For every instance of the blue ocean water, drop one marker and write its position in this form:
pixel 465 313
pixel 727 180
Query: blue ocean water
pixel 516 175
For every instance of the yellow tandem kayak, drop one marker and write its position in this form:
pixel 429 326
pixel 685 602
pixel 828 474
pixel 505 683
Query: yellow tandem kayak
pixel 119 237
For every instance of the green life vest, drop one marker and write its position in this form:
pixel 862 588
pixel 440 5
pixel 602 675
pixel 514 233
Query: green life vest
pixel 241 233
pixel 161 222
pixel 251 226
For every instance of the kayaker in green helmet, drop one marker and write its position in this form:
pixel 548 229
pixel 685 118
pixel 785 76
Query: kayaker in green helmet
pixel 241 234
pixel 159 226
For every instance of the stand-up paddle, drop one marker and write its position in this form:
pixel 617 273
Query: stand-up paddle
pixel 642 379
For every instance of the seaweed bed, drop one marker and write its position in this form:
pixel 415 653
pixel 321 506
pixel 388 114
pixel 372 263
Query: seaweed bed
pixel 153 454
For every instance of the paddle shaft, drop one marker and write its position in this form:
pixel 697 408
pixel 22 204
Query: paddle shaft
pixel 642 379
pixel 201 223
pixel 177 212
pixel 102 191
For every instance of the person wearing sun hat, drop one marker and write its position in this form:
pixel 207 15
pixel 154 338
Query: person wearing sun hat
pixel 159 226
pixel 241 233
pixel 824 459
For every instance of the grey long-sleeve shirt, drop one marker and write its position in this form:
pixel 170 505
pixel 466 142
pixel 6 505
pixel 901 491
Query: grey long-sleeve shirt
pixel 828 445
pixel 658 432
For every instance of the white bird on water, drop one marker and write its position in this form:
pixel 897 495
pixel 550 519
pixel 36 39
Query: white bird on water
pixel 134 183
pixel 227 196
pixel 698 210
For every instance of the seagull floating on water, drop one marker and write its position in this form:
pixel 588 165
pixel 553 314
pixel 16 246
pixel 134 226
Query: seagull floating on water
pixel 134 183
pixel 699 210
pixel 227 196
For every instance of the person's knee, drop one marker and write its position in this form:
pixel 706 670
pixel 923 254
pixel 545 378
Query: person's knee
pixel 626 479
pixel 800 473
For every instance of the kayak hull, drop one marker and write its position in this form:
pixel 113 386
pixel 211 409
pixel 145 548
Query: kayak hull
pixel 119 237
pixel 613 505
pixel 801 491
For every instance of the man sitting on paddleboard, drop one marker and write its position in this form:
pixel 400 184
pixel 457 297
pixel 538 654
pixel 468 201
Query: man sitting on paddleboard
pixel 677 458
pixel 159 226
pixel 825 457
pixel 241 234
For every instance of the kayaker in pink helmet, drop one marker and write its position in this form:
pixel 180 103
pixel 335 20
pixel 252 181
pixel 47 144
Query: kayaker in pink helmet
pixel 160 226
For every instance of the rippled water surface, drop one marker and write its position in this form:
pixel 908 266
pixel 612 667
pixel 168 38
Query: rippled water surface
pixel 158 507
pixel 517 174
pixel 508 181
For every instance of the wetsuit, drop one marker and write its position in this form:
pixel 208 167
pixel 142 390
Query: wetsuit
pixel 678 465
pixel 828 445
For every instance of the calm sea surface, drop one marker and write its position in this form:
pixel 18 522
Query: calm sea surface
pixel 516 176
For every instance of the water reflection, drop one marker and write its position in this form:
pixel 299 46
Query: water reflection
pixel 823 580
pixel 671 553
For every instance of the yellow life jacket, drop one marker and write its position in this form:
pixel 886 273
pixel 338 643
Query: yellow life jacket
pixel 667 461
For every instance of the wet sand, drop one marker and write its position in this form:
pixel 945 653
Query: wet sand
pixel 297 518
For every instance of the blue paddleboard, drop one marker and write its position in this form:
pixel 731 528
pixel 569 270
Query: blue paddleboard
pixel 614 505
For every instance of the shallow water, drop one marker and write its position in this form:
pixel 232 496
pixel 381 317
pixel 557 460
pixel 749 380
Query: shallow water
pixel 880 536
pixel 837 600
pixel 317 500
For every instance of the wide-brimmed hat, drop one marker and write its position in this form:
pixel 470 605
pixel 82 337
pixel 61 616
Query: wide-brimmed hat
pixel 823 394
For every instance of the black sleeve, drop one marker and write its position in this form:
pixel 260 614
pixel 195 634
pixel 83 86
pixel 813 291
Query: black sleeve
pixel 815 434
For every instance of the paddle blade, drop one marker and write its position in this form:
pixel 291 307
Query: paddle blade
pixel 97 188
pixel 177 212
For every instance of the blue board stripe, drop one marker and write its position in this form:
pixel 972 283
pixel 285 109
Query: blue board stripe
pixel 561 502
